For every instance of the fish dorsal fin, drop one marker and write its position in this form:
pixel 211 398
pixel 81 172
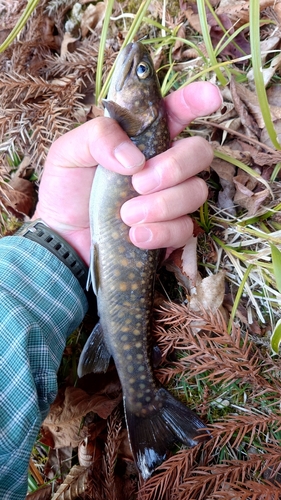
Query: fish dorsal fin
pixel 129 122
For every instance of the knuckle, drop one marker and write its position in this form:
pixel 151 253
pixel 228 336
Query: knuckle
pixel 173 171
pixel 201 187
pixel 162 208
pixel 205 149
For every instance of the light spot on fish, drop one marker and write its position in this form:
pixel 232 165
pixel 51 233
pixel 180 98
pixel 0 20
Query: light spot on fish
pixel 124 338
pixel 126 347
pixel 140 357
pixel 125 329
pixel 136 332
pixel 121 249
pixel 123 286
pixel 134 286
pixel 147 399
pixel 142 147
pixel 139 264
pixel 130 369
pixel 115 235
pixel 124 262
pixel 138 344
pixel 142 386
pixel 141 368
pixel 129 357
pixel 117 272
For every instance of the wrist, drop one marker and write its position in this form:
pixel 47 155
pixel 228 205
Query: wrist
pixel 38 231
pixel 77 237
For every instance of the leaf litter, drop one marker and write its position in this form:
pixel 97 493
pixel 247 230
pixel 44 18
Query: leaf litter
pixel 214 331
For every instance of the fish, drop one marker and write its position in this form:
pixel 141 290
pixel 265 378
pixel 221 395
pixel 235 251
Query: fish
pixel 123 276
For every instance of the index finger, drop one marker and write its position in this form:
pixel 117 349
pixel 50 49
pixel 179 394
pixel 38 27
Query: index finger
pixel 195 100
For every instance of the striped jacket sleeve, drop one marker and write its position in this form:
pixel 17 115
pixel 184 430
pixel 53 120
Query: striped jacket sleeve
pixel 41 303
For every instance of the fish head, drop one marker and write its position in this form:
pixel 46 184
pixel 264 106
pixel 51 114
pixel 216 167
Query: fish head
pixel 134 97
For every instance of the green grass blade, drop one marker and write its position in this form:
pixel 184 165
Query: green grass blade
pixel 238 297
pixel 105 25
pixel 276 262
pixel 208 41
pixel 20 24
pixel 130 36
pixel 276 337
pixel 240 164
pixel 257 69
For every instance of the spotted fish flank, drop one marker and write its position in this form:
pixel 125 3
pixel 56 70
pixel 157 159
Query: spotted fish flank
pixel 123 275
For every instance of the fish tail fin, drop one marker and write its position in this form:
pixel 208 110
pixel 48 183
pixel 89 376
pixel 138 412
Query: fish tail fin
pixel 154 433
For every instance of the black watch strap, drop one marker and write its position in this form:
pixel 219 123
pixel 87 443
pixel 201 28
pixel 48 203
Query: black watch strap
pixel 39 232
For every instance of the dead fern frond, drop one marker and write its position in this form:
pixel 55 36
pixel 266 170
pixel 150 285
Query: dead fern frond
pixel 234 429
pixel 46 110
pixel 211 352
pixel 169 476
pixel 249 490
pixel 110 454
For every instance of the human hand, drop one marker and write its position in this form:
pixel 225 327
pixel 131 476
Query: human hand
pixel 166 183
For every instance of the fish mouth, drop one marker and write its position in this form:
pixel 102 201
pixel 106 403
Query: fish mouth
pixel 126 60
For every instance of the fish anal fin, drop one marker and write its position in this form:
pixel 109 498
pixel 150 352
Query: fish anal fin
pixel 95 356
pixel 152 435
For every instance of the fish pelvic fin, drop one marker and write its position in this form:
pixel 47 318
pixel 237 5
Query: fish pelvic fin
pixel 152 435
pixel 95 356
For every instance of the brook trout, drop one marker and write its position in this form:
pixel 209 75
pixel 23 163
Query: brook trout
pixel 123 275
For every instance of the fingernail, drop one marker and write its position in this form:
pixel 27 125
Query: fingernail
pixel 145 182
pixel 141 234
pixel 129 155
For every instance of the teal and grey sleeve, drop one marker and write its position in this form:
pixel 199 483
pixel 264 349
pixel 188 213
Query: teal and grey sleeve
pixel 41 303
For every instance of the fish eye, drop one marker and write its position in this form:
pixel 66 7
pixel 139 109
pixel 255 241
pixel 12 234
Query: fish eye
pixel 143 70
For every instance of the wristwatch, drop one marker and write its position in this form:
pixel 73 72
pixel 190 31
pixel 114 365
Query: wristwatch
pixel 41 233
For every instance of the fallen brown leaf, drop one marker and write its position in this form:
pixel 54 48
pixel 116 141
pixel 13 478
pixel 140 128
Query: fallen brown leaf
pixel 62 426
pixel 92 17
pixel 209 293
pixel 67 39
pixel 88 452
pixel 247 120
pixel 246 198
pixel 239 11
pixel 183 263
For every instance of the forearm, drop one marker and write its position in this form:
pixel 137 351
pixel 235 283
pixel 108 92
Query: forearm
pixel 41 303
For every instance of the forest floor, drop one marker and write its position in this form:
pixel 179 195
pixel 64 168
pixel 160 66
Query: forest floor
pixel 218 315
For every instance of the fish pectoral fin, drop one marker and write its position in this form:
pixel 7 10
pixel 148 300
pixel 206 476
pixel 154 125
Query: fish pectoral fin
pixel 93 275
pixel 95 356
pixel 132 124
pixel 152 435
